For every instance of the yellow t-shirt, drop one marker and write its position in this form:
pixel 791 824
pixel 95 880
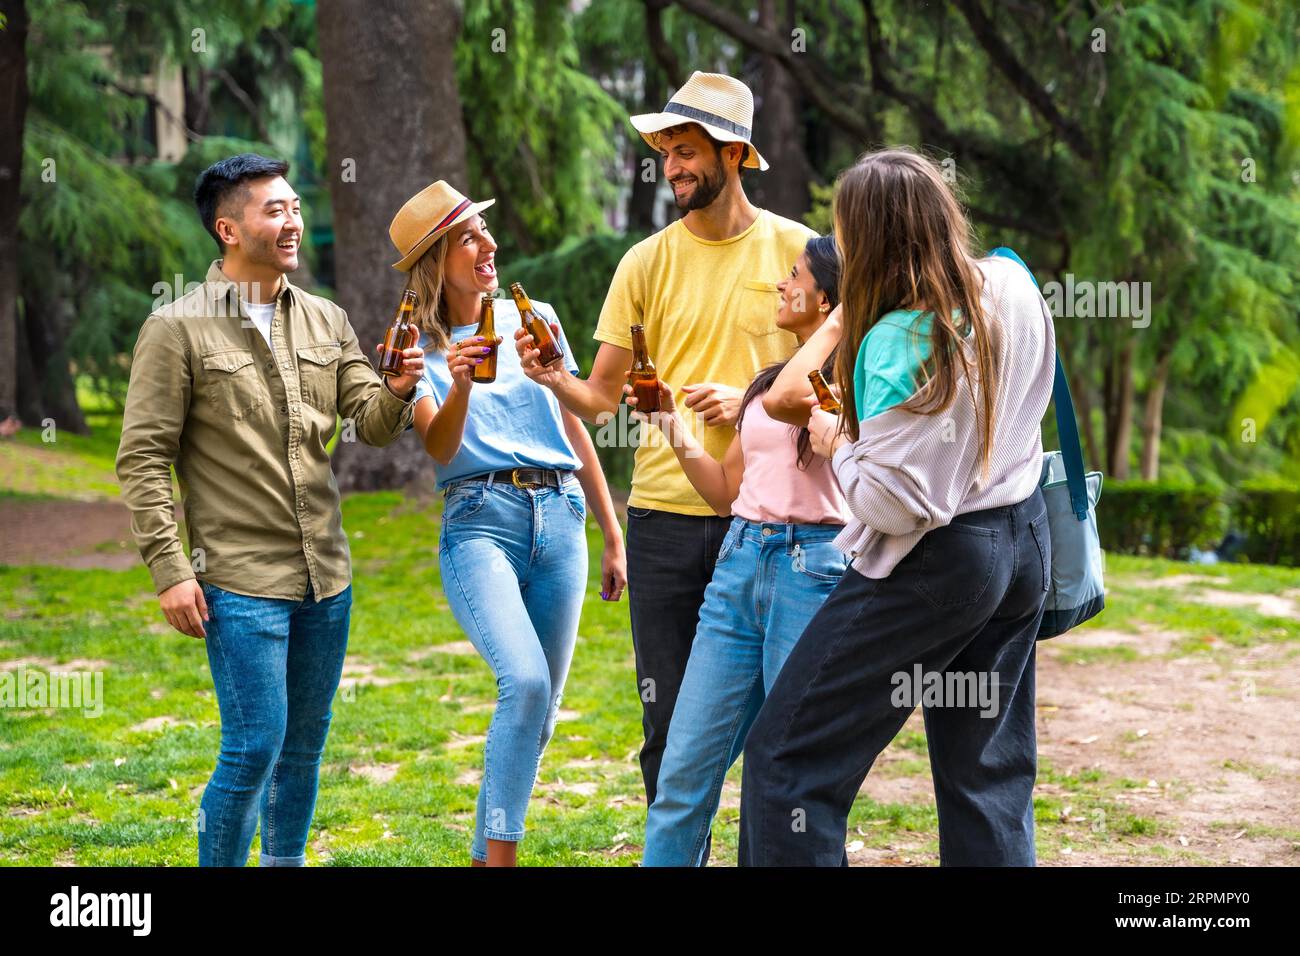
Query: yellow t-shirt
pixel 709 311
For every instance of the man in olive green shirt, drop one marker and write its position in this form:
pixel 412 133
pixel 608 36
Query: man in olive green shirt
pixel 239 384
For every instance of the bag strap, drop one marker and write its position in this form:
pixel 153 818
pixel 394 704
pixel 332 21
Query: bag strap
pixel 1067 427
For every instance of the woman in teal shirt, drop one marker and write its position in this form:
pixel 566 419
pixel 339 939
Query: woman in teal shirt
pixel 946 364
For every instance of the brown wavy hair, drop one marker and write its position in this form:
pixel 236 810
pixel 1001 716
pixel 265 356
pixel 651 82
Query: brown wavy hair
pixel 905 243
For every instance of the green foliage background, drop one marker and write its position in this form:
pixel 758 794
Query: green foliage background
pixel 1191 113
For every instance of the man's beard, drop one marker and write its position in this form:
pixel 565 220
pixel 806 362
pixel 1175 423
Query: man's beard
pixel 707 188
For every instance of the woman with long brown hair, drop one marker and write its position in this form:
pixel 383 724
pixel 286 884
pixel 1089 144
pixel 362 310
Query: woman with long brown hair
pixel 945 368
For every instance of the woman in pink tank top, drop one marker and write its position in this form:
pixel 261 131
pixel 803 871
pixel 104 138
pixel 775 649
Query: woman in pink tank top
pixel 776 566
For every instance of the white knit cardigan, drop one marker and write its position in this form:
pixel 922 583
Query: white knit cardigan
pixel 908 473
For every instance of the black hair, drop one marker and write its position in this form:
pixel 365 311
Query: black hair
pixel 224 177
pixel 741 168
pixel 824 264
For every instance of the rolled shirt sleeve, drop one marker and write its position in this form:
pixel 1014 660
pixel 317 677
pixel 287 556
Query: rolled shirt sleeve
pixel 379 415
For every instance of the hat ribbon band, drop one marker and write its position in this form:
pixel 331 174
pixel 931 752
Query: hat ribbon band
pixel 704 116
pixel 452 215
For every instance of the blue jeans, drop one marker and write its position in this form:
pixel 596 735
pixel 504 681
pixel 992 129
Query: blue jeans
pixel 514 567
pixel 276 665
pixel 769 580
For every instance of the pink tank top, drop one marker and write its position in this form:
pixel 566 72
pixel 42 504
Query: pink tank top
pixel 774 488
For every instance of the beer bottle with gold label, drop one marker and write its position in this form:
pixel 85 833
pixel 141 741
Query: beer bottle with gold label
pixel 825 399
pixel 486 371
pixel 402 334
pixel 543 339
pixel 643 375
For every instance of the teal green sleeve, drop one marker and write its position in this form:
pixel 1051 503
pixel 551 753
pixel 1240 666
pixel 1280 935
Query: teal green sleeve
pixel 889 362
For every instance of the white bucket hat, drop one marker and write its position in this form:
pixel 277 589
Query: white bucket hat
pixel 721 104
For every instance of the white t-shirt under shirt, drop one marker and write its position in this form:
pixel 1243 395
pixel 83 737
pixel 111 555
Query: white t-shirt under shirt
pixel 261 316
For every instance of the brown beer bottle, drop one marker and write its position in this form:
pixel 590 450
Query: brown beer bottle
pixel 402 334
pixel 644 377
pixel 825 399
pixel 485 373
pixel 536 326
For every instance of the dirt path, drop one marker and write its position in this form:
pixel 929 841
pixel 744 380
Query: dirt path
pixel 70 534
pixel 1207 745
pixel 1210 739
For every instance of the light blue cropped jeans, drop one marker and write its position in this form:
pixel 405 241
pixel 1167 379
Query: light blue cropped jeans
pixel 514 568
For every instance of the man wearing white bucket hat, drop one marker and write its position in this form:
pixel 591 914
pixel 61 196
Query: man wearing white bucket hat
pixel 704 288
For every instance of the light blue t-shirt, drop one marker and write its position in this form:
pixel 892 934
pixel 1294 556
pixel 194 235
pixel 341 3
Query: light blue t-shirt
pixel 513 422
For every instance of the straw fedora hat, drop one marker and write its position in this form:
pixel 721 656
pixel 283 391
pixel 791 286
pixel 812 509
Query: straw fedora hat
pixel 426 216
pixel 721 104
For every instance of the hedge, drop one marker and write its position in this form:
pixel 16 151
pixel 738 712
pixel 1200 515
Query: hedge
pixel 1159 519
pixel 1268 513
pixel 1167 519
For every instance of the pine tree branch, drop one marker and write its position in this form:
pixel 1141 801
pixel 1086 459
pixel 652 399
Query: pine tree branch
pixel 240 94
pixel 159 105
pixel 829 99
pixel 1033 92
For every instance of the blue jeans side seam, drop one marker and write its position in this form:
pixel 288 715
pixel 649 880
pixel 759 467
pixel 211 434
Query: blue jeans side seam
pixel 720 773
pixel 243 752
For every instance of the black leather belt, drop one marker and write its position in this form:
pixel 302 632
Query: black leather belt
pixel 527 477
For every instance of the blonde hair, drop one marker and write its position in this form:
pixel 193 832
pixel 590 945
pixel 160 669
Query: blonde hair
pixel 427 278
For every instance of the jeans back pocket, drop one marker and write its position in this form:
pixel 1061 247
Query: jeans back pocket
pixel 1042 538
pixel 957 563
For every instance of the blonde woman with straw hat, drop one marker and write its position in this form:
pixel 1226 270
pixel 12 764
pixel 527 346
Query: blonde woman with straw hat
pixel 518 473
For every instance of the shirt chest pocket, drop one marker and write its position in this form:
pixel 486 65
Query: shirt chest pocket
pixel 318 374
pixel 231 383
pixel 759 304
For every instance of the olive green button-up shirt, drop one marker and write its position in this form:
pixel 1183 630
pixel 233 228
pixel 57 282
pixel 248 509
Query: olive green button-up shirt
pixel 246 427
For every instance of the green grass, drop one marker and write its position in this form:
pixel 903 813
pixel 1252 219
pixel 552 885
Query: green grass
pixel 104 790
pixel 65 797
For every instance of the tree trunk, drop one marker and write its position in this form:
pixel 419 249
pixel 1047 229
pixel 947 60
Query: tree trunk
pixel 641 201
pixel 393 115
pixel 1081 393
pixel 13 116
pixel 46 387
pixel 1153 415
pixel 1119 410
pixel 778 129
pixel 198 99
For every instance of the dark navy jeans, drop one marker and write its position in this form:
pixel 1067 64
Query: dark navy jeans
pixel 951 628
pixel 276 665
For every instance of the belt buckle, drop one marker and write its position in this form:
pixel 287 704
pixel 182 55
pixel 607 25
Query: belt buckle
pixel 514 480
